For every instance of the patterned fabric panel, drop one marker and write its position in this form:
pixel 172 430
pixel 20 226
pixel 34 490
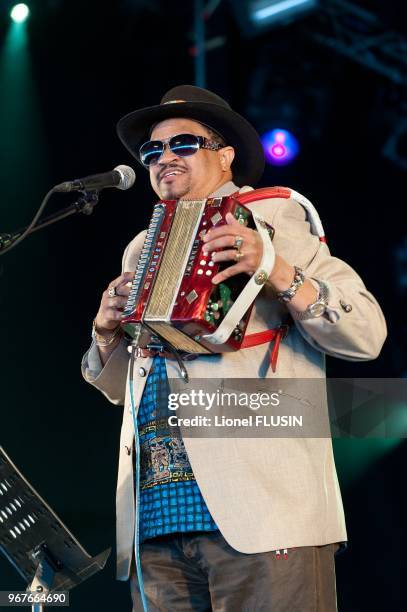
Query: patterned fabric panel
pixel 170 499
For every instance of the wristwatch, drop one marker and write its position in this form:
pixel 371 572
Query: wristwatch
pixel 318 307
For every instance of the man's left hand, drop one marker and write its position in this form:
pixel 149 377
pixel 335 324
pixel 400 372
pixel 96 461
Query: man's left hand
pixel 221 242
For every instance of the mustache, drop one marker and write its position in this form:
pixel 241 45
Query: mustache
pixel 170 168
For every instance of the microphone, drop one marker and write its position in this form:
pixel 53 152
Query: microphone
pixel 122 177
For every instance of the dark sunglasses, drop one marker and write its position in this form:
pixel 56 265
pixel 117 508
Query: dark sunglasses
pixel 181 145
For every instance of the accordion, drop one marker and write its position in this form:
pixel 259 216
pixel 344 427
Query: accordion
pixel 172 299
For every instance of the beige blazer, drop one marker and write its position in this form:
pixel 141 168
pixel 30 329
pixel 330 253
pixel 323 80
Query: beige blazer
pixel 263 493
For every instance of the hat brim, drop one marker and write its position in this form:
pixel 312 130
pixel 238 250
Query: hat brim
pixel 248 166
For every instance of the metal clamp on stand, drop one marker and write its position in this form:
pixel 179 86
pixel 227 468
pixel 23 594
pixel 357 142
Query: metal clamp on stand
pixel 44 576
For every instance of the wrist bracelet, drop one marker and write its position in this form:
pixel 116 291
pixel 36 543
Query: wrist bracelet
pixel 105 340
pixel 288 294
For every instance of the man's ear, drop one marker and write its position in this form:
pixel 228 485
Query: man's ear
pixel 227 155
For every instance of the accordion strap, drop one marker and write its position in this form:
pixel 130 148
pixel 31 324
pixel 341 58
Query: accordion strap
pixel 285 192
pixel 278 334
pixel 250 290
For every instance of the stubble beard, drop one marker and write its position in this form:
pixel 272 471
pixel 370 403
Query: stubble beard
pixel 175 193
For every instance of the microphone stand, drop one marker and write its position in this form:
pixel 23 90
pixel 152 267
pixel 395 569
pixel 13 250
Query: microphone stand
pixel 84 204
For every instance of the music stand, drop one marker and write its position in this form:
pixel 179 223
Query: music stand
pixel 36 542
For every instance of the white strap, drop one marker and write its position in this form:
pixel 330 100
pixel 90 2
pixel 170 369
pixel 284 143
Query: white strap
pixel 251 289
pixel 313 216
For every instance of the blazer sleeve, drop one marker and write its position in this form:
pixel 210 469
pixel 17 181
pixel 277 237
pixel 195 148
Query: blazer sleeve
pixel 353 327
pixel 110 379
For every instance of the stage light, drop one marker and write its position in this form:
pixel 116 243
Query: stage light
pixel 21 125
pixel 19 13
pixel 281 8
pixel 256 16
pixel 280 147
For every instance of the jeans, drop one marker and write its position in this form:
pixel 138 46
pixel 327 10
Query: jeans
pixel 200 572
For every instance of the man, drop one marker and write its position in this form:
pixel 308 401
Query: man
pixel 264 517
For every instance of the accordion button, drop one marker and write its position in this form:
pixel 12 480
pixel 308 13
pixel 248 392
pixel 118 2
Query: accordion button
pixel 142 372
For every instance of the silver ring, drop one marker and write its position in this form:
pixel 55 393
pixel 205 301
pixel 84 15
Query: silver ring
pixel 238 242
pixel 111 292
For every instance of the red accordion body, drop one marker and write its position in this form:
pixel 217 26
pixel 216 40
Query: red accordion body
pixel 172 296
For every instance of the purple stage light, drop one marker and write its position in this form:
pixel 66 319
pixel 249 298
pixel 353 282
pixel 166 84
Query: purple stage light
pixel 280 147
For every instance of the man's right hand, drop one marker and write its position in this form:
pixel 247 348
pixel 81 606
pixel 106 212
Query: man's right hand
pixel 110 313
pixel 111 308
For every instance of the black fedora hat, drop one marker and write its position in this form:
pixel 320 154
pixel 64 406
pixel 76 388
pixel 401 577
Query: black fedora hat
pixel 205 107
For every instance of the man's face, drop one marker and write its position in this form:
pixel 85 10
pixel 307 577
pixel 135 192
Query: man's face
pixel 195 176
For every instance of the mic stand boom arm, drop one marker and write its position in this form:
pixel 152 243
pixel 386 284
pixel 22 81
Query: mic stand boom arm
pixel 84 204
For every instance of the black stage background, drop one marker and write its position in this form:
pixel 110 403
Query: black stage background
pixel 87 64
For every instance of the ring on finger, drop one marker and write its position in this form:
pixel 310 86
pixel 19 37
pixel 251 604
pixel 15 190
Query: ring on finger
pixel 238 255
pixel 111 292
pixel 238 243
